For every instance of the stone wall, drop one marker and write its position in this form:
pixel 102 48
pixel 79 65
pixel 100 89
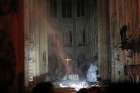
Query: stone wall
pixel 123 12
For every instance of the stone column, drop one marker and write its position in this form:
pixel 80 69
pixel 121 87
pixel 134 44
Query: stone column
pixel 103 39
pixel 36 45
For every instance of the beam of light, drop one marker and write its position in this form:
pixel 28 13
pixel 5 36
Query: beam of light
pixel 55 33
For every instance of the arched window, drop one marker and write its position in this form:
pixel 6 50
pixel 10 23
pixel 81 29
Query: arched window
pixel 66 8
pixel 53 6
pixel 68 38
pixel 80 8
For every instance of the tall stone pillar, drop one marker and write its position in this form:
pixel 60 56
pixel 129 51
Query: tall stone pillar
pixel 103 39
pixel 36 45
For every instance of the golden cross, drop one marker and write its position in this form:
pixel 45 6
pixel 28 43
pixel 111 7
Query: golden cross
pixel 67 60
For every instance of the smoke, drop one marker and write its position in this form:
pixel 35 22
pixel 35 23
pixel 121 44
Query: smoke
pixel 55 33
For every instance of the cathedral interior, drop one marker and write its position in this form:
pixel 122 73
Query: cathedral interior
pixel 89 42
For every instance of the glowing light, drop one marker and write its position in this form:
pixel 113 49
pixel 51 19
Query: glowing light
pixel 74 84
pixel 61 85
